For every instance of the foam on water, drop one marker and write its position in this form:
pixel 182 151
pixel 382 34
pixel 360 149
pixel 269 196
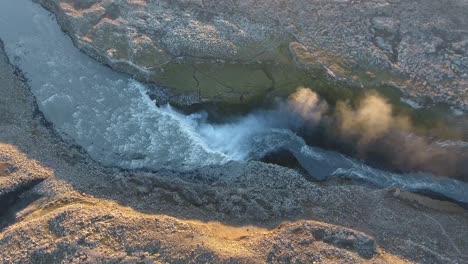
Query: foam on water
pixel 112 118
pixel 260 133
pixel 106 113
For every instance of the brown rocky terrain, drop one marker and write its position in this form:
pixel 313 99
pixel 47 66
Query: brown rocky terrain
pixel 59 206
pixel 204 47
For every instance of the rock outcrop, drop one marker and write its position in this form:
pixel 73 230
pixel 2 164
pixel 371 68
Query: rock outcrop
pixel 239 50
pixel 14 180
pixel 81 230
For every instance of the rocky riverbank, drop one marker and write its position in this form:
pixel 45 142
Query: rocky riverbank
pixel 242 50
pixel 60 206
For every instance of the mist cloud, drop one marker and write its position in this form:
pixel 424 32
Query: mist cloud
pixel 307 104
pixel 371 130
pixel 370 121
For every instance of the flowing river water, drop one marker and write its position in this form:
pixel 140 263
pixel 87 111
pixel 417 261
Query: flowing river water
pixel 110 115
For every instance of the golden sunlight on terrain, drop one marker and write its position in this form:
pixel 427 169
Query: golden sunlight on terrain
pixel 69 215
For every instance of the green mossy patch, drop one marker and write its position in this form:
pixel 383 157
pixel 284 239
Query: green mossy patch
pixel 235 88
pixel 232 83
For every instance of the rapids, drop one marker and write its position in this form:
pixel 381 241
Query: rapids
pixel 111 116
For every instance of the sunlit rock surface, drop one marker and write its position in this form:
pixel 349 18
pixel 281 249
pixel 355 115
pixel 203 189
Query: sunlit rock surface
pixel 203 47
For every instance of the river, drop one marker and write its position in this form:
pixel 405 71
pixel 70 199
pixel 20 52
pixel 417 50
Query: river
pixel 111 116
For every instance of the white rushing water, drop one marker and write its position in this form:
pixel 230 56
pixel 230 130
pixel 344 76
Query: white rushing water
pixel 106 113
pixel 112 118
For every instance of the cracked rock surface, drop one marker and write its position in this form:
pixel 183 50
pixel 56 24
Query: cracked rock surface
pixel 420 46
